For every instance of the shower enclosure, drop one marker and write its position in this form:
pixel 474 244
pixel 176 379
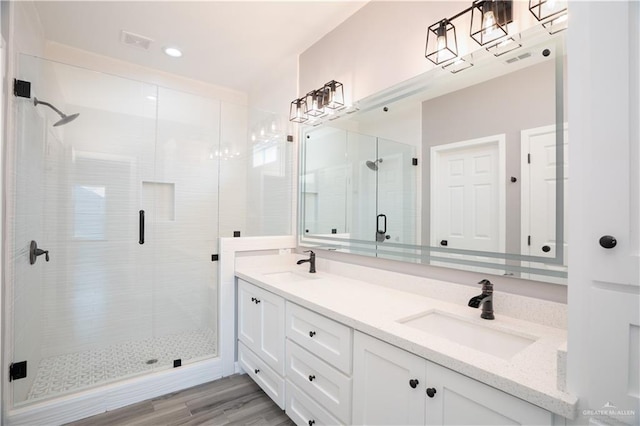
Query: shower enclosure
pixel 359 188
pixel 125 201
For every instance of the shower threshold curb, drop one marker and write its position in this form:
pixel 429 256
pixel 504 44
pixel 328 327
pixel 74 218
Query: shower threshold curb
pixel 98 400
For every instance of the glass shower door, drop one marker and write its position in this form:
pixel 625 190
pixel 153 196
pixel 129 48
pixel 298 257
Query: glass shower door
pixel 396 191
pixel 182 200
pixel 78 319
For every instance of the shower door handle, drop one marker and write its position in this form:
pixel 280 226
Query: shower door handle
pixel 381 229
pixel 141 228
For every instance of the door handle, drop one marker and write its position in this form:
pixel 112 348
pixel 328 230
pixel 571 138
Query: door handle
pixel 34 252
pixel 381 231
pixel 141 228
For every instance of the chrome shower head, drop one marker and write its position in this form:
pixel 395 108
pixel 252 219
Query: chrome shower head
pixel 373 165
pixel 64 118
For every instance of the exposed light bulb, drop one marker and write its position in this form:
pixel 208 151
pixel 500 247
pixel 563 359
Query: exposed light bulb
pixel 488 23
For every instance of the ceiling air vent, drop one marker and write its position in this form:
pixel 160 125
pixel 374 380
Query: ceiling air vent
pixel 135 40
pixel 518 58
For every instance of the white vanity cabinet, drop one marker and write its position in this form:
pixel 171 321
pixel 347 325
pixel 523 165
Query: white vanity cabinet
pixel 390 387
pixel 318 368
pixel 261 346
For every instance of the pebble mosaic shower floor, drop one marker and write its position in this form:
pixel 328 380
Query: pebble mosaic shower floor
pixel 65 373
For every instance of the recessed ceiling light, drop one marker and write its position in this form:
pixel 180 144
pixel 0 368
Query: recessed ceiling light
pixel 173 52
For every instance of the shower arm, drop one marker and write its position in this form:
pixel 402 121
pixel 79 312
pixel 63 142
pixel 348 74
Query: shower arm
pixel 37 102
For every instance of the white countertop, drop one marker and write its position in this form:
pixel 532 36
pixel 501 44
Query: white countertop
pixel 530 374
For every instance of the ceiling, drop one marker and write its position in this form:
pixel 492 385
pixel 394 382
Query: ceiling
pixel 226 43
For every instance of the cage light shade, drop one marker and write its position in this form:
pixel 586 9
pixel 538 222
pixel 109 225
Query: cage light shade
pixel 333 95
pixel 489 20
pixel 558 23
pixel 441 42
pixel 315 103
pixel 298 111
pixel 544 9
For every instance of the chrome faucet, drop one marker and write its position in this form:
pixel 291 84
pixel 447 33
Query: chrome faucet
pixel 311 260
pixel 485 299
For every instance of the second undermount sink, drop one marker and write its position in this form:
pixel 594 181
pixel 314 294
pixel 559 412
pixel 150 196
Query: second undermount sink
pixel 489 340
pixel 291 276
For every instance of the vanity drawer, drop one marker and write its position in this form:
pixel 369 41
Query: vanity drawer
pixel 320 381
pixel 329 340
pixel 304 411
pixel 270 382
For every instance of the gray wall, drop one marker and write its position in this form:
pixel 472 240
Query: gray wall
pixel 508 104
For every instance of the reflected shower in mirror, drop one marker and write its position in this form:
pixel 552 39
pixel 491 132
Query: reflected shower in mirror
pixel 465 170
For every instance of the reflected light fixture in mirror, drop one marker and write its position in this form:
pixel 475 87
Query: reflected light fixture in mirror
pixel 298 111
pixel 505 46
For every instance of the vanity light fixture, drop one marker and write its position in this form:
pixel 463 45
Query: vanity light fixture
pixel 489 21
pixel 298 111
pixel 441 42
pixel 333 95
pixel 553 12
pixel 318 102
pixel 544 9
pixel 315 103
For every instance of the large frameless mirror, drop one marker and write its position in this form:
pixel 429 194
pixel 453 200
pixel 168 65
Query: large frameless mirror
pixel 463 167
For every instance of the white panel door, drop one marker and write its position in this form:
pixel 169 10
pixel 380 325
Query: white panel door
pixel 539 191
pixel 382 387
pixel 467 199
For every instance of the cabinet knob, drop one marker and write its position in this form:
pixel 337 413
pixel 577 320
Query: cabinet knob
pixel 413 383
pixel 253 299
pixel 312 422
pixel 608 242
pixel 312 333
pixel 546 249
pixel 311 377
pixel 256 371
pixel 257 301
pixel 431 392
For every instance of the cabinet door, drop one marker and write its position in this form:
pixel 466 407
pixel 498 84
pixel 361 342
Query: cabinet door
pixel 271 329
pixel 382 387
pixel 247 315
pixel 461 400
pixel 261 324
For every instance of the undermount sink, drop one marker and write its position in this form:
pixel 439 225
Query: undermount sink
pixel 499 343
pixel 291 276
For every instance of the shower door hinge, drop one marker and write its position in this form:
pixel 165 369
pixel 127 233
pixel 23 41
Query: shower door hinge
pixel 21 88
pixel 17 370
pixel 414 161
pixel 215 257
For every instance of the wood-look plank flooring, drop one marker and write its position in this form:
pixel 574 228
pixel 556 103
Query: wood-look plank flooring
pixel 234 400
